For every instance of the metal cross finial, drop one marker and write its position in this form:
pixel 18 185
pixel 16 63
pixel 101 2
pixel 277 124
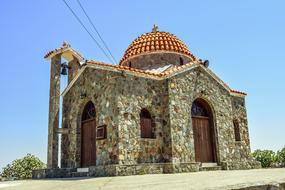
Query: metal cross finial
pixel 65 44
pixel 155 28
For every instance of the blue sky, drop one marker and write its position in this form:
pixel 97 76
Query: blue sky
pixel 244 41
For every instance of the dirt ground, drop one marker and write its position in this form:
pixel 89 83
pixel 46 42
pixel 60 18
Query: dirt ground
pixel 238 179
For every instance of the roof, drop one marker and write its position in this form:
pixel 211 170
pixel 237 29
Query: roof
pixel 67 52
pixel 238 92
pixel 156 41
pixel 165 73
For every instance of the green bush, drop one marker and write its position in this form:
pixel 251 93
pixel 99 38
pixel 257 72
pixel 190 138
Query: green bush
pixel 280 157
pixel 266 157
pixel 22 168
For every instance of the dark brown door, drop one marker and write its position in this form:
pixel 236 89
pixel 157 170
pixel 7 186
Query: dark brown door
pixel 88 145
pixel 203 139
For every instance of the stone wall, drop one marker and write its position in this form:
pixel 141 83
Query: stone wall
pixel 118 100
pixel 241 158
pixel 119 97
pixel 117 170
pixel 183 90
pixel 90 87
pixel 156 60
pixel 138 93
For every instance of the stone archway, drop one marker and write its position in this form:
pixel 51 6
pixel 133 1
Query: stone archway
pixel 88 136
pixel 203 131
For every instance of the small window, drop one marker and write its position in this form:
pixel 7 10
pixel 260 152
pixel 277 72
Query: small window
pixel 181 61
pixel 130 64
pixel 147 125
pixel 101 132
pixel 237 130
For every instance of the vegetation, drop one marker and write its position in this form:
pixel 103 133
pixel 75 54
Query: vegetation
pixel 22 168
pixel 269 158
pixel 280 157
pixel 266 157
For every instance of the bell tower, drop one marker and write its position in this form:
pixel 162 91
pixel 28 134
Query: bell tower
pixel 57 68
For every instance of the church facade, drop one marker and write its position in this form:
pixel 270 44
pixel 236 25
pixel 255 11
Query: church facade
pixel 160 110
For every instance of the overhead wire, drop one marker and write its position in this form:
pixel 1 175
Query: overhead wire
pixel 81 23
pixel 93 25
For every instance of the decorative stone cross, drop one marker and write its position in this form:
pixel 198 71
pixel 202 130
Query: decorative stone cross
pixel 155 28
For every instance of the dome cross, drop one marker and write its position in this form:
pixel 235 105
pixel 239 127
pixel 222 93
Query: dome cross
pixel 155 28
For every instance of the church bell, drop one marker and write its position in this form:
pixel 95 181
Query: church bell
pixel 64 68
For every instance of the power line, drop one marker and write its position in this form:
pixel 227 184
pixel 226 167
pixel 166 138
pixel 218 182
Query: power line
pixel 81 23
pixel 90 21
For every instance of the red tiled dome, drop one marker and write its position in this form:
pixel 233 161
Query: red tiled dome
pixel 156 41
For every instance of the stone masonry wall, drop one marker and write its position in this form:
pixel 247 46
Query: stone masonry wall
pixel 241 158
pixel 99 88
pixel 156 60
pixel 136 94
pixel 118 99
pixel 183 90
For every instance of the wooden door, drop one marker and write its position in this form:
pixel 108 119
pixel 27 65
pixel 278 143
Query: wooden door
pixel 203 139
pixel 88 144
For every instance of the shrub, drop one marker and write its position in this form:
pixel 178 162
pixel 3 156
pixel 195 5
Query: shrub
pixel 280 157
pixel 266 157
pixel 22 168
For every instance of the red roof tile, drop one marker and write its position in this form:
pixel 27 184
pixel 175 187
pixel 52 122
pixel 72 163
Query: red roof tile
pixel 156 41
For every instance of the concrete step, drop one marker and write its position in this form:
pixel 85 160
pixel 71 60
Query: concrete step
pixel 209 167
pixel 80 174
pixel 209 164
pixel 82 170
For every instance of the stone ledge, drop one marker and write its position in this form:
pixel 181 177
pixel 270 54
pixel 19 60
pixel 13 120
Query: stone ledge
pixel 120 170
pixel 239 165
pixel 140 169
pixel 53 173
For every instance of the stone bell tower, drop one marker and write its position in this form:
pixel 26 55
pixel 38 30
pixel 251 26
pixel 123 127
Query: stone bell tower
pixel 73 59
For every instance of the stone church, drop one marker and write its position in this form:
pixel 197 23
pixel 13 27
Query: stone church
pixel 160 110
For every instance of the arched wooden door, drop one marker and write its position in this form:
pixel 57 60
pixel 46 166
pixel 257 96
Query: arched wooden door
pixel 88 136
pixel 203 131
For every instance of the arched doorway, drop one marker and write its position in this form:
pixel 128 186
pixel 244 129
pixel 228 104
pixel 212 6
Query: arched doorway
pixel 88 136
pixel 203 131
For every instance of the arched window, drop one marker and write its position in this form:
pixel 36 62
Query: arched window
pixel 147 126
pixel 181 61
pixel 199 110
pixel 236 130
pixel 89 111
